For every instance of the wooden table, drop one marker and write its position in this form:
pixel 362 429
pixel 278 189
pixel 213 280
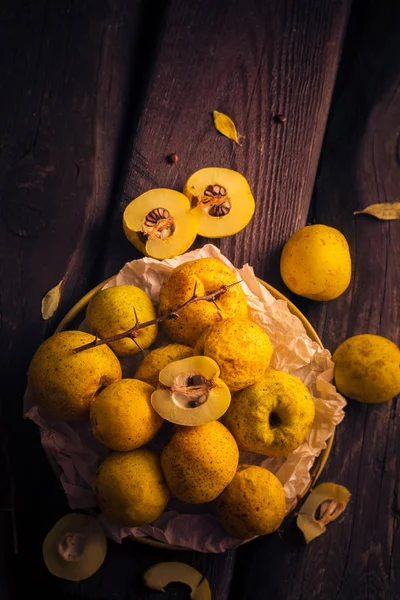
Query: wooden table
pixel 94 96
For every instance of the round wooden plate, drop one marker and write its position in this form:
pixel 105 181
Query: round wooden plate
pixel 75 316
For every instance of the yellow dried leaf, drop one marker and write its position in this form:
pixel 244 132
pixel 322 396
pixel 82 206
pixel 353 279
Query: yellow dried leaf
pixel 51 301
pixel 331 499
pixel 225 125
pixel 387 211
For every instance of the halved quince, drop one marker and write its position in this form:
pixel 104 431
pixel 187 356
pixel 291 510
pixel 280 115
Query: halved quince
pixel 221 199
pixel 160 223
pixel 160 575
pixel 75 548
pixel 191 392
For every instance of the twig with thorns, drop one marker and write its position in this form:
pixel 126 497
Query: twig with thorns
pixel 133 331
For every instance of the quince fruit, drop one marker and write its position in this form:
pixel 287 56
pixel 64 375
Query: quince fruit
pixel 75 548
pixel 241 349
pixel 65 384
pixel 130 488
pixel 367 368
pixel 159 358
pixel 191 392
pixel 273 416
pixel 252 504
pixel 199 276
pixel 162 574
pixel 122 415
pixel 160 223
pixel 316 263
pixel 199 462
pixel 221 199
pixel 114 310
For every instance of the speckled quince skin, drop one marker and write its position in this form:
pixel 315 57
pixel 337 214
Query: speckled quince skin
pixel 122 415
pixel 316 262
pixel 150 367
pixel 199 462
pixel 273 416
pixel 241 349
pixel 367 368
pixel 203 275
pixel 252 504
pixel 64 384
pixel 112 311
pixel 130 488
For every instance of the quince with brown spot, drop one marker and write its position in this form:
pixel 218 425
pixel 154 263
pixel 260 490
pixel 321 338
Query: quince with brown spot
pixel 191 392
pixel 199 277
pixel 160 223
pixel 241 349
pixel 221 199
pixel 199 462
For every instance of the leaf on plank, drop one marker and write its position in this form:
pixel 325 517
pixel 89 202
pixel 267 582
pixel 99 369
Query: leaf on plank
pixel 225 125
pixel 51 301
pixel 387 211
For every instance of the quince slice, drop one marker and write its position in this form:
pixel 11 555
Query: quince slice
pixel 221 199
pixel 331 499
pixel 75 548
pixel 160 575
pixel 191 392
pixel 160 223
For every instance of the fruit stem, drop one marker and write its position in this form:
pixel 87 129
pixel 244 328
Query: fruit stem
pixel 132 332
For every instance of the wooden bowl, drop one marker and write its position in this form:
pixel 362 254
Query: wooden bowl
pixel 75 316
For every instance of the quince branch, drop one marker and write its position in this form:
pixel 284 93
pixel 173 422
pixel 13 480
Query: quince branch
pixel 133 331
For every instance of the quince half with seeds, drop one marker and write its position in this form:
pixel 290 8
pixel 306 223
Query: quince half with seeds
pixel 191 392
pixel 221 199
pixel 160 223
pixel 199 277
pixel 162 574
pixel 75 548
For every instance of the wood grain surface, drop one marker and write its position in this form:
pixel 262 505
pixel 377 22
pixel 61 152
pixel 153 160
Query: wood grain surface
pixel 94 96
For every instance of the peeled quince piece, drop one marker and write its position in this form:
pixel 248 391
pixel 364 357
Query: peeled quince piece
pixel 316 263
pixel 75 548
pixel 199 462
pixel 327 499
pixel 160 223
pixel 273 416
pixel 191 392
pixel 114 310
pixel 367 368
pixel 240 347
pixel 221 199
pixel 130 487
pixel 162 574
pixel 199 276
pixel 252 504
pixel 122 415
pixel 65 384
pixel 150 367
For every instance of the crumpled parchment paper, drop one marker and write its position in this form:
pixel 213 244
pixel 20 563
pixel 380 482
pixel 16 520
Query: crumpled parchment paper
pixel 75 453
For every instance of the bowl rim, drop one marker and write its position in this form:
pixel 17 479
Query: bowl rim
pixel 320 461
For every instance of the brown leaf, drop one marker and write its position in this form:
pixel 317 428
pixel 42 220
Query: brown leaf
pixel 225 125
pixel 387 211
pixel 51 301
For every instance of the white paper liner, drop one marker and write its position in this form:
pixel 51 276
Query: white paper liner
pixel 75 453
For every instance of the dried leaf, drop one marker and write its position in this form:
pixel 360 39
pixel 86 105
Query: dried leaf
pixel 225 125
pixel 331 499
pixel 387 211
pixel 51 301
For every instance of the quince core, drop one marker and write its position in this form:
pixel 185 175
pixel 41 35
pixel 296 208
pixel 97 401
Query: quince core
pixel 160 223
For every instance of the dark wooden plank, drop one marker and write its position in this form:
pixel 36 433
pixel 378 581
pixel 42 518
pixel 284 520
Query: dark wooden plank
pixel 358 555
pixel 65 74
pixel 250 59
